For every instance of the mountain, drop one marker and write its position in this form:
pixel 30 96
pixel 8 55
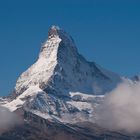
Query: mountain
pixel 61 90
pixel 61 69
pixel 62 82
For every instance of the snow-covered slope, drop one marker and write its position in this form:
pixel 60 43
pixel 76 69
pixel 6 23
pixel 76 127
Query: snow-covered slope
pixel 62 83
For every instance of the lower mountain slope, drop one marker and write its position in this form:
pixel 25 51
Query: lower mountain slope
pixel 37 128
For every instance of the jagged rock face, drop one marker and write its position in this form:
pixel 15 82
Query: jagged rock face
pixel 62 85
pixel 136 78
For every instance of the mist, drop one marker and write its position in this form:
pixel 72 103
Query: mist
pixel 7 119
pixel 121 108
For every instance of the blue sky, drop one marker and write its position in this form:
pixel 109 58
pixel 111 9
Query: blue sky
pixel 105 31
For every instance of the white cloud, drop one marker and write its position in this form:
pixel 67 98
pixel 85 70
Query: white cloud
pixel 121 108
pixel 7 119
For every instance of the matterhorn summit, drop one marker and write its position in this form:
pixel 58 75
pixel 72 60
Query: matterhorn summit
pixel 62 82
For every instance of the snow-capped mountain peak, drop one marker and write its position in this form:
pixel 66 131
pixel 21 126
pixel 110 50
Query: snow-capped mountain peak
pixel 57 37
pixel 62 81
pixel 59 47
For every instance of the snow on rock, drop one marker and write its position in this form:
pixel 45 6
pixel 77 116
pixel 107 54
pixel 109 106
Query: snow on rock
pixel 42 70
pixel 21 99
pixel 61 82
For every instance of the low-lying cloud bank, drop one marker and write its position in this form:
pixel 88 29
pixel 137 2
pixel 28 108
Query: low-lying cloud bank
pixel 121 108
pixel 7 119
